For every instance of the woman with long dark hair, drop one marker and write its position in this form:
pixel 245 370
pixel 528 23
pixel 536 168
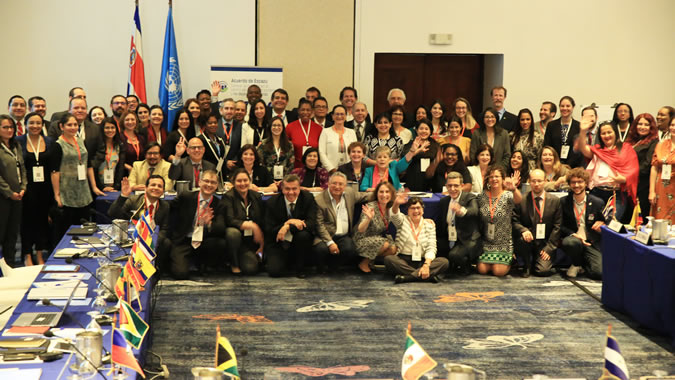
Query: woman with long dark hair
pixel 494 136
pixel 183 130
pixel 526 138
pixel 383 135
pixel 312 176
pixel 519 169
pixel 108 161
pixel 12 187
pixel 643 136
pixel 277 152
pixel 258 127
pixel 261 179
pixel 448 160
pixel 133 147
pixel 156 130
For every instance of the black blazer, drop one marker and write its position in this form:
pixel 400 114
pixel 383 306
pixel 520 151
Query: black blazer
pixel 367 127
pixel 594 207
pixel 508 122
pixel 553 138
pixel 291 115
pixel 169 146
pixel 276 214
pixel 211 153
pixel 235 138
pixel 525 218
pixel 183 210
pixel 467 226
pixel 235 212
pixel 348 170
pixel 184 171
pixel 133 206
pixel 99 158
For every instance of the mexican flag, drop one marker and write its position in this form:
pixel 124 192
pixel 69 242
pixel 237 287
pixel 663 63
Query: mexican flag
pixel 416 362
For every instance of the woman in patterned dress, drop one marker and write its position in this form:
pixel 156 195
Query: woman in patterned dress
pixel 371 237
pixel 526 138
pixel 383 135
pixel 662 191
pixel 495 206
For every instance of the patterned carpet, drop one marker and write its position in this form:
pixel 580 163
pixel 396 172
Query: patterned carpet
pixel 353 326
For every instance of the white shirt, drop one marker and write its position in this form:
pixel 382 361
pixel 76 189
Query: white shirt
pixel 329 147
pixel 341 216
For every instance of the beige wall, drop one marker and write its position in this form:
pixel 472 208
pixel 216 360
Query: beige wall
pixel 601 51
pixel 313 42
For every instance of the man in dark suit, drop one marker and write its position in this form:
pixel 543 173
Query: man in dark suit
pixel 90 132
pixel 230 131
pixel 507 120
pixel 75 92
pixel 128 206
pixel 582 219
pixel 536 227
pixel 396 97
pixel 361 123
pixel 457 228
pixel 334 245
pixel 190 168
pixel 198 227
pixel 118 106
pixel 279 103
pixel 38 105
pixel 290 228
pixel 320 107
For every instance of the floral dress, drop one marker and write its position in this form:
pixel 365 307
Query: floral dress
pixel 665 189
pixel 369 243
pixel 500 249
pixel 531 151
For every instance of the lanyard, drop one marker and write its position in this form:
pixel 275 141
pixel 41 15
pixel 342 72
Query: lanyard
pixel 260 135
pixel 135 145
pixel 578 214
pixel 210 143
pixel 492 210
pixel 308 131
pixel 11 153
pixel 384 218
pixel 416 235
pixel 623 136
pixel 36 151
pixel 567 132
pixel 202 211
pixel 108 156
pixel 227 133
pixel 539 212
pixel 278 152
pixel 77 146
pixel 246 207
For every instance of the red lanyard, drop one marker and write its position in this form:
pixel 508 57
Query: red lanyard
pixel 227 133
pixel 202 211
pixel 76 145
pixel 196 170
pixel 578 214
pixel 539 212
pixel 492 210
pixel 384 218
pixel 108 155
pixel 412 228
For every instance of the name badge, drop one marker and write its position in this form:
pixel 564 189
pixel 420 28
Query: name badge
pixel 490 231
pixel 424 164
pixel 38 173
pixel 452 233
pixel 248 232
pixel 198 233
pixel 108 176
pixel 541 231
pixel 219 167
pixel 417 253
pixel 564 152
pixel 81 172
pixel 18 173
pixel 278 172
pixel 304 148
pixel 666 171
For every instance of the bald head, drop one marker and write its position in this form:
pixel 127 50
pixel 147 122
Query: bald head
pixel 537 181
pixel 195 149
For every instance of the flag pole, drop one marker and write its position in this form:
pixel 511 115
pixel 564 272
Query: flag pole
pixel 609 329
pixel 217 343
pixel 409 327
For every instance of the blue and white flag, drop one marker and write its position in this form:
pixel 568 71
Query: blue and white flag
pixel 615 365
pixel 170 90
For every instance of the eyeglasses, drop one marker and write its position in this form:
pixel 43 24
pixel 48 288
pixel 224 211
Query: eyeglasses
pixel 197 147
pixel 321 107
pixel 119 103
pixel 152 153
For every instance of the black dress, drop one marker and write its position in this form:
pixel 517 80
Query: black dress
pixel 644 152
pixel 37 200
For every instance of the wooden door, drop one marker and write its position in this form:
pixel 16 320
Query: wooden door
pixel 425 77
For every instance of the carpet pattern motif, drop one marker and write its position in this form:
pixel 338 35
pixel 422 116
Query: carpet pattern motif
pixel 353 326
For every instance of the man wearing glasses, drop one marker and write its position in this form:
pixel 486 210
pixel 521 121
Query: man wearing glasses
pixel 153 164
pixel 192 167
pixel 118 105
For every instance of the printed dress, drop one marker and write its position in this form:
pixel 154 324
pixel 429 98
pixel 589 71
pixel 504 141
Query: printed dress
pixel 369 243
pixel 500 249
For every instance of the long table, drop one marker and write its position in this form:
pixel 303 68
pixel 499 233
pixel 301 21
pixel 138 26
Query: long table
pixel 51 370
pixel 639 281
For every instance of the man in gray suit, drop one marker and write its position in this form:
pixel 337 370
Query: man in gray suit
pixel 189 168
pixel 334 245
pixel 457 228
pixel 90 132
pixel 536 227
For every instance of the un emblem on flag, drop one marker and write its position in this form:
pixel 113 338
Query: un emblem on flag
pixel 173 85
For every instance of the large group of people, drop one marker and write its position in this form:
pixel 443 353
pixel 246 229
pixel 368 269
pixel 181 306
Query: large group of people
pixel 265 187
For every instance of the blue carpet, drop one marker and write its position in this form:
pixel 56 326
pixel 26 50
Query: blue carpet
pixel 353 326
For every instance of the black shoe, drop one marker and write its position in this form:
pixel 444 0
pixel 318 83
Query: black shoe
pixel 401 278
pixel 435 279
pixel 301 275
pixel 526 272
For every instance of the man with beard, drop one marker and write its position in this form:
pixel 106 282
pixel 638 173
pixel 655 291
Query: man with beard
pixel 153 164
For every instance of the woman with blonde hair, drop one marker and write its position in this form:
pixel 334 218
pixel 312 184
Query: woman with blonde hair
pixel 462 109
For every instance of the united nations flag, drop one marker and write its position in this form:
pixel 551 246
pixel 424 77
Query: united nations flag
pixel 170 89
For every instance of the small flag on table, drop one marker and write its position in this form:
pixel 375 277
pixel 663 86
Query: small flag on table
pixel 615 365
pixel 226 360
pixel 132 326
pixel 121 353
pixel 416 362
pixel 636 220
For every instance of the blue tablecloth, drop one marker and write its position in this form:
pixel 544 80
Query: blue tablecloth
pixel 639 281
pixel 51 370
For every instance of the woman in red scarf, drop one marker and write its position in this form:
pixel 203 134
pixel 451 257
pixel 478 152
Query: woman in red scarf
pixel 613 167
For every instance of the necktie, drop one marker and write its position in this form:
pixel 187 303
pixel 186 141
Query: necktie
pixel 197 171
pixel 358 132
pixel 292 205
pixel 536 216
pixel 563 131
pixel 151 171
pixel 19 128
pixel 197 241
pixel 538 199
pixel 151 211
